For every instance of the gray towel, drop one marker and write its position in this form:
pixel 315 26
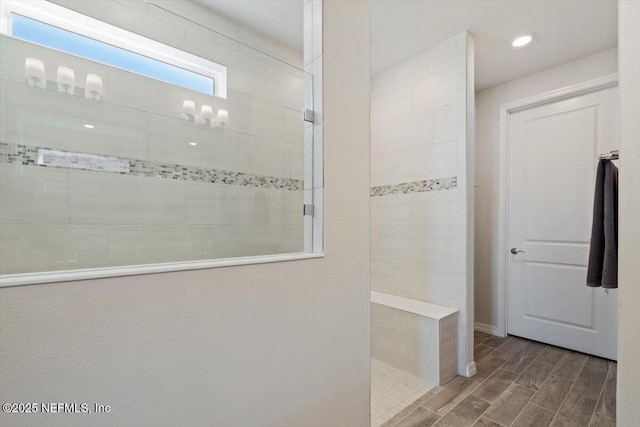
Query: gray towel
pixel 603 254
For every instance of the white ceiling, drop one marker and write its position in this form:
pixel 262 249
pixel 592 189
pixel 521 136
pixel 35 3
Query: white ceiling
pixel 279 19
pixel 563 30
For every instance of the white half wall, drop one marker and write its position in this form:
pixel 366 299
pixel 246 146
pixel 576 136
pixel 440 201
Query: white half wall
pixel 488 104
pixel 628 393
pixel 283 344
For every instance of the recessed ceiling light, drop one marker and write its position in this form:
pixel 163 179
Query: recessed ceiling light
pixel 193 143
pixel 88 126
pixel 521 40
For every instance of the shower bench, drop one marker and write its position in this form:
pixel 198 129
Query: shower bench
pixel 415 336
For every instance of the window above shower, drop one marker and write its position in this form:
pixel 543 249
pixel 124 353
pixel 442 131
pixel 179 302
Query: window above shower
pixel 148 136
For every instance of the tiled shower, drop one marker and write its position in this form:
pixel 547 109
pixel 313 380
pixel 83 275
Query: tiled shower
pixel 128 179
pixel 421 202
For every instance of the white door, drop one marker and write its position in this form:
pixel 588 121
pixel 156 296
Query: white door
pixel 553 152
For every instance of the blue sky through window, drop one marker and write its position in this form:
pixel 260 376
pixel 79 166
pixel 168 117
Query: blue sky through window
pixel 85 47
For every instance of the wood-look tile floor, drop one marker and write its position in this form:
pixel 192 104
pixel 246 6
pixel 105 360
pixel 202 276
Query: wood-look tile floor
pixel 520 383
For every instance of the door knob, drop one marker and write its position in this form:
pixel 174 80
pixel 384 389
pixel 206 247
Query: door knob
pixel 516 251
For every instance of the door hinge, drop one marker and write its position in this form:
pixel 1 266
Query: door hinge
pixel 307 210
pixel 308 116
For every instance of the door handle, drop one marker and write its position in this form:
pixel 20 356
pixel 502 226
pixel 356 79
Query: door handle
pixel 516 251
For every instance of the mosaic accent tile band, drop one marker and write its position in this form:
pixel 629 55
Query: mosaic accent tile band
pixel 28 156
pixel 416 186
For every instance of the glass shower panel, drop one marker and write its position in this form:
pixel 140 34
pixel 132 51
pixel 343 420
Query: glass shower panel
pixel 146 171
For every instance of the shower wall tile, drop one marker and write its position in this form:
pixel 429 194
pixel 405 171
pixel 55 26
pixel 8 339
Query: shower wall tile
pixel 247 75
pixel 32 195
pixel 419 183
pixel 292 238
pixel 274 158
pixel 262 44
pixel 233 240
pixel 446 123
pixel 169 142
pixel 183 15
pixel 212 46
pixel 28 248
pixel 236 204
pixel 410 133
pixel 427 63
pixel 55 219
pixel 31 116
pixel 393 210
pixel 203 203
pixel 292 126
pixel 436 90
pixel 146 244
pixel 435 207
pixel 285 88
pixel 274 206
pixel 102 198
pixel 161 201
pixel 265 239
pixel 390 104
pixel 199 243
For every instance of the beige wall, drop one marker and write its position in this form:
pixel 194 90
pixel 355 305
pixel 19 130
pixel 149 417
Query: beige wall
pixel 282 344
pixel 488 104
pixel 628 411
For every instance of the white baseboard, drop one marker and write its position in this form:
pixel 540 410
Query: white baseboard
pixel 471 369
pixel 487 329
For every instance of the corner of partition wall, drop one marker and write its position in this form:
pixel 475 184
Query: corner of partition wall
pixel 467 364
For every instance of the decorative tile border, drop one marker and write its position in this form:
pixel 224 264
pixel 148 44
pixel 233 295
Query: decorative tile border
pixel 94 162
pixel 28 156
pixel 416 186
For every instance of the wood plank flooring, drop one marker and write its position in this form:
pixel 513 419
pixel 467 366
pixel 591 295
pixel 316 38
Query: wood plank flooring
pixel 520 383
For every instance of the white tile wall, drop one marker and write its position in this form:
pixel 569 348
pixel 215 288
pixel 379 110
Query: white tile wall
pixel 419 132
pixel 33 195
pixel 32 116
pixel 107 219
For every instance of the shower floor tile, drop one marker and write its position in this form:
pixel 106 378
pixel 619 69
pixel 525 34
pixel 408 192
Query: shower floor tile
pixel 392 390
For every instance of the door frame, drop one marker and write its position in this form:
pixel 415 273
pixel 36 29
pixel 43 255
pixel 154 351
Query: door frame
pixel 506 110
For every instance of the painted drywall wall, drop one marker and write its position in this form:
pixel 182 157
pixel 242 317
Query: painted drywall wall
pixel 283 344
pixel 420 197
pixel 488 104
pixel 59 219
pixel 628 393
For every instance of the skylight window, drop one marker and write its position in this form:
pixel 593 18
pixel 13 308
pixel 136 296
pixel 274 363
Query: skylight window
pixel 59 28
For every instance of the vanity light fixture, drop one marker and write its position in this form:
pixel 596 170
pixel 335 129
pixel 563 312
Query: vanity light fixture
pixel 223 117
pixel 88 126
pixel 522 40
pixel 34 70
pixel 193 144
pixel 207 114
pixel 66 80
pixel 189 109
pixel 93 87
